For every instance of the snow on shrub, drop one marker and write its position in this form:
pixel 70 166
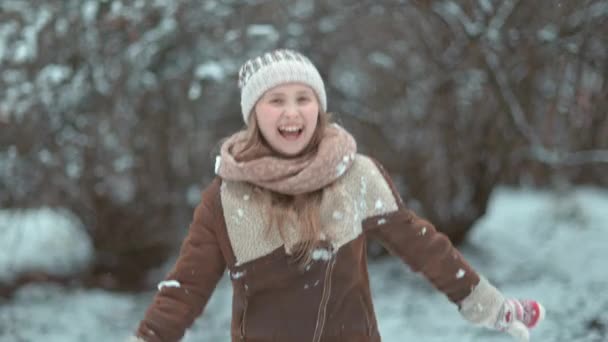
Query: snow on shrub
pixel 51 241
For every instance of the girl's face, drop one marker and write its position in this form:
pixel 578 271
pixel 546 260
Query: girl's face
pixel 287 116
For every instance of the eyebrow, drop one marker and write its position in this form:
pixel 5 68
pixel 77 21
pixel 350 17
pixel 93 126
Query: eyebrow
pixel 300 92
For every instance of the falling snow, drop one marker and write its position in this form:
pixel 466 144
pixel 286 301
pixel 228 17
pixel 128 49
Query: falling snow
pixel 379 204
pixel 341 168
pixel 321 254
pixel 494 248
pixel 460 273
pixel 237 275
pixel 168 283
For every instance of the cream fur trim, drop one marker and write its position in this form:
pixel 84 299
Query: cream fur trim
pixel 360 193
pixel 482 306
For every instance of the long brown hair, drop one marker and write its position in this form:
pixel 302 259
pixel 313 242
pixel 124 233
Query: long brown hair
pixel 301 211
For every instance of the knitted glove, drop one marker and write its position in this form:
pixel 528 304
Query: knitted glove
pixel 485 305
pixel 518 316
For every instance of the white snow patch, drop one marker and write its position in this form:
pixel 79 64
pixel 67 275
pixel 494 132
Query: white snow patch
pixel 193 195
pixel 231 35
pixel 237 275
pixel 89 11
pixel 341 168
pixel 218 163
pixel 267 31
pixel 518 245
pixel 168 283
pixel 460 273
pixel 240 212
pixel 379 204
pixel 321 254
pixel 54 74
pixel 548 33
pixel 381 59
pixel 52 241
pixel 246 197
pixel 195 91
pixel 210 70
pixel 27 49
pixel 337 215
pixel 363 186
pixel 381 221
pixel 423 231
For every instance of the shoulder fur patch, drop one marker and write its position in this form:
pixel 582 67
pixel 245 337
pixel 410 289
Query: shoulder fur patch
pixel 360 193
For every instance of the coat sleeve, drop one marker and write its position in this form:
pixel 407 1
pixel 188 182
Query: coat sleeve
pixel 420 245
pixel 185 291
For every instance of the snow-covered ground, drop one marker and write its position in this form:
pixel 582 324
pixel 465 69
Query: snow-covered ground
pixel 547 246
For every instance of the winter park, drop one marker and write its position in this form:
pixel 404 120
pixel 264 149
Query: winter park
pixel 403 170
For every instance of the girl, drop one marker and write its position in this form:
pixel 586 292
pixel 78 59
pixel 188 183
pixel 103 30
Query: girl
pixel 289 214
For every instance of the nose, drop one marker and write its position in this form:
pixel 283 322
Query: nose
pixel 292 110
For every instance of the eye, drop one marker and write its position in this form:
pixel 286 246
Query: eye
pixel 303 99
pixel 276 101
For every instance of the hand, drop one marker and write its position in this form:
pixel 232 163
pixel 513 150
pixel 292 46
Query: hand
pixel 486 306
pixel 517 317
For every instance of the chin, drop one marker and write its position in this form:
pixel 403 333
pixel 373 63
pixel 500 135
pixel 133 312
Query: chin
pixel 291 154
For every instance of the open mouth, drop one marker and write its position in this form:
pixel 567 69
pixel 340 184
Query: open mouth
pixel 291 132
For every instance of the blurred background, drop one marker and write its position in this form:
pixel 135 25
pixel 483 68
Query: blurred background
pixel 111 112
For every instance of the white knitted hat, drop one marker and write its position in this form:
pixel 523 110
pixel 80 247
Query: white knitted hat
pixel 262 73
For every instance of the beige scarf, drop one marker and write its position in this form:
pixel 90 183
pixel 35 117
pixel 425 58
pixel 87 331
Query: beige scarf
pixel 291 176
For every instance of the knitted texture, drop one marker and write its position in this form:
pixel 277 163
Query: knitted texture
pixel 294 176
pixel 359 194
pixel 262 73
pixel 487 306
pixel 483 305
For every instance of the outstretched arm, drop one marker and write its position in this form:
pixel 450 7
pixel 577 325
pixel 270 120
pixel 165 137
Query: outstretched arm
pixel 185 291
pixel 430 252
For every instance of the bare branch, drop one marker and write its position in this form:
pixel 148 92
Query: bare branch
pixel 486 6
pixel 453 16
pixel 515 108
pixel 451 13
pixel 569 158
pixel 590 12
pixel 537 150
pixel 502 14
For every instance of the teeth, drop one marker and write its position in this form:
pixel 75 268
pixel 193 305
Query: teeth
pixel 289 129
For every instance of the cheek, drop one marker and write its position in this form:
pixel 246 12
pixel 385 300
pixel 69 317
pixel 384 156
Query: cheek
pixel 266 118
pixel 312 113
